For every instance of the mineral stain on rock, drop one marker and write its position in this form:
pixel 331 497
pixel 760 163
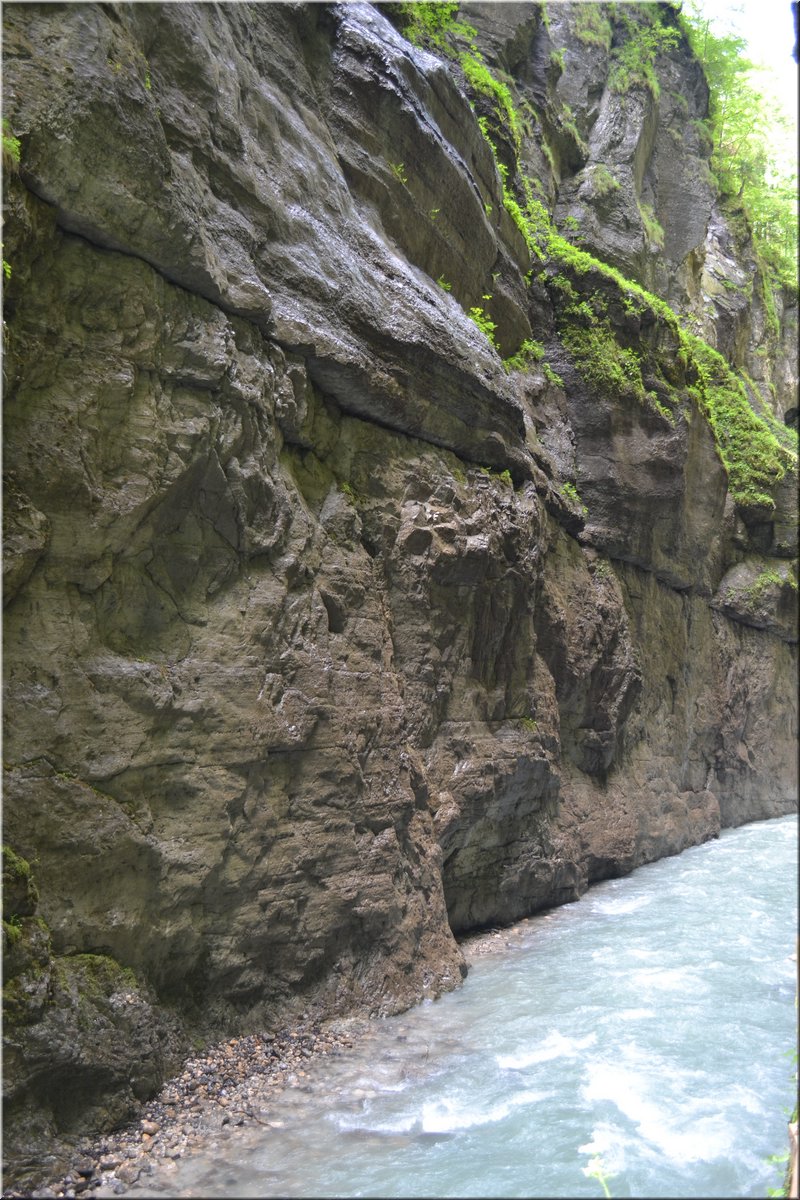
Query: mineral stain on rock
pixel 329 638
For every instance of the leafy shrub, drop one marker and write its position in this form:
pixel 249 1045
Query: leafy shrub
pixel 429 23
pixel 570 492
pixel 529 352
pixel 484 322
pixel 633 60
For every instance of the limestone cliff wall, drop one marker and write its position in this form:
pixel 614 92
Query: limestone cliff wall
pixel 312 657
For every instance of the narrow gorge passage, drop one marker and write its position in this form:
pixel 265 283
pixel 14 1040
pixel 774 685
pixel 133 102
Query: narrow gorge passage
pixel 399 509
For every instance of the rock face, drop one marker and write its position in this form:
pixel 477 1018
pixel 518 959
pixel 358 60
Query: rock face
pixel 313 656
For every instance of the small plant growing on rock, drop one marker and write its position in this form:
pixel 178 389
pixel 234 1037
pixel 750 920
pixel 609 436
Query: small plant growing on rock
pixel 484 322
pixel 399 171
pixel 652 228
pixel 529 352
pixel 430 22
pixel 591 25
pixel 11 147
pixel 603 182
pixel 633 60
pixel 570 492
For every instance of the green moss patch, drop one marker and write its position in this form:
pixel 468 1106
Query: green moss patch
pixel 20 894
pixel 753 457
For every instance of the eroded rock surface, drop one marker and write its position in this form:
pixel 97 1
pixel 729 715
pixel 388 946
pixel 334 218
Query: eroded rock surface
pixel 312 661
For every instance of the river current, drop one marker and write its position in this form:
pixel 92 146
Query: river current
pixel 643 1032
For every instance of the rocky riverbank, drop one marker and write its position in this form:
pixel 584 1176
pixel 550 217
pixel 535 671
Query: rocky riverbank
pixel 344 615
pixel 235 1083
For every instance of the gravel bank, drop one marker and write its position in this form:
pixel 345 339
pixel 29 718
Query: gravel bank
pixel 235 1083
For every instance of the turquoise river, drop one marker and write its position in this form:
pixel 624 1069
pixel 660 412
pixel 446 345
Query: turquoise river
pixel 643 1035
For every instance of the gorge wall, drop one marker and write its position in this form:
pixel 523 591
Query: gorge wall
pixel 328 636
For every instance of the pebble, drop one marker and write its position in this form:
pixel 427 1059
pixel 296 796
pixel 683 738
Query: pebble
pixel 235 1083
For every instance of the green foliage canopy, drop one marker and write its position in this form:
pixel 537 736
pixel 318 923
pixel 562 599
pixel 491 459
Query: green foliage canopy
pixel 747 173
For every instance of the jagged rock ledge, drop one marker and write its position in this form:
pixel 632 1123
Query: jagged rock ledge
pixel 328 638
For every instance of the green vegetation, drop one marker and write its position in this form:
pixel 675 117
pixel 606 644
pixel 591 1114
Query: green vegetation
pixel 570 492
pixel 100 974
pixel 12 928
pixel 633 60
pixel 11 147
pixel 591 25
pixel 602 362
pixel 768 578
pixel 569 126
pixel 753 457
pixel 754 451
pixel 652 228
pixel 557 60
pixel 484 83
pixel 429 23
pixel 586 330
pixel 443 284
pixel 603 182
pixel 503 477
pixel 11 153
pixel 529 352
pixel 595 1171
pixel 14 865
pixel 754 180
pixel 781 1164
pixel 399 172
pixel 484 322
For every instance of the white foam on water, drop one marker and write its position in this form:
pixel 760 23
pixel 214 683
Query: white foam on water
pixel 450 1116
pixel 672 979
pixel 619 906
pixel 744 1097
pixel 407 1123
pixel 555 1045
pixel 642 953
pixel 679 1131
pixel 447 1115
pixel 607 1147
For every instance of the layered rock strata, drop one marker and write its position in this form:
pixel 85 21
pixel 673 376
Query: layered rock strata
pixel 313 656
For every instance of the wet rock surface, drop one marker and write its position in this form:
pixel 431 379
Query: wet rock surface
pixel 327 637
